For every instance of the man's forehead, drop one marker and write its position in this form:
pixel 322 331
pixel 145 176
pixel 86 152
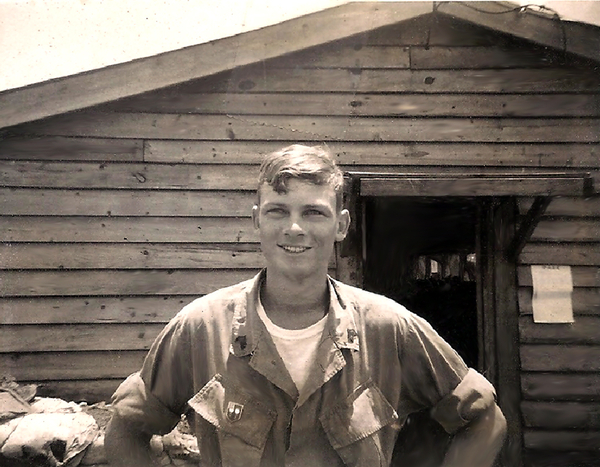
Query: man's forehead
pixel 298 190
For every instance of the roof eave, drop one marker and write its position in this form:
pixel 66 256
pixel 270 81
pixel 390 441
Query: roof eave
pixel 147 74
pixel 539 27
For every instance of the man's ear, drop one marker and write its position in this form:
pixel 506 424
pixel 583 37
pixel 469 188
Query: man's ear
pixel 255 220
pixel 343 224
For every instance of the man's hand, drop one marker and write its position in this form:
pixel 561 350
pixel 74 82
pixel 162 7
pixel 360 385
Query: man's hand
pixel 127 447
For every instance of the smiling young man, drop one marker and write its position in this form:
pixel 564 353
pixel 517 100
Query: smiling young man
pixel 293 368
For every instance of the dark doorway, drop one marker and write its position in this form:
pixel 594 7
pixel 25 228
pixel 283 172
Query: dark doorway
pixel 421 253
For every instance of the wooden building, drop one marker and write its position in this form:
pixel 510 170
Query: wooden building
pixel 470 133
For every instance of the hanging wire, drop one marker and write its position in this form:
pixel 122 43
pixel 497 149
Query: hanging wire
pixel 521 9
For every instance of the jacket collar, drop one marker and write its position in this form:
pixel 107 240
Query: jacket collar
pixel 247 328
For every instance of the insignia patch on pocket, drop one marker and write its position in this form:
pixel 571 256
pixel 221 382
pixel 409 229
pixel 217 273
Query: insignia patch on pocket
pixel 234 411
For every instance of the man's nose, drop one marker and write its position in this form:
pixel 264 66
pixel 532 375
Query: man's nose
pixel 295 227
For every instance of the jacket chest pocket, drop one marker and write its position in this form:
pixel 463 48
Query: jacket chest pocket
pixel 242 423
pixel 353 426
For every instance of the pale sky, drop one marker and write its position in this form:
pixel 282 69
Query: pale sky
pixel 45 39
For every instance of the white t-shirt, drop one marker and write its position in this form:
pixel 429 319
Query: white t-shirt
pixel 297 347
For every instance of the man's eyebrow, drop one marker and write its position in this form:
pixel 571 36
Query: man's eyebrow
pixel 317 206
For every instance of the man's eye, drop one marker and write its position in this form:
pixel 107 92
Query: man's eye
pixel 276 211
pixel 314 212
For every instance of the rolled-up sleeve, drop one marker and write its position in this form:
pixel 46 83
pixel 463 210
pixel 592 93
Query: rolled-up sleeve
pixel 435 377
pixel 473 395
pixel 135 403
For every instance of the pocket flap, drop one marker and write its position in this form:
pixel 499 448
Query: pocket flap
pixel 231 410
pixel 363 413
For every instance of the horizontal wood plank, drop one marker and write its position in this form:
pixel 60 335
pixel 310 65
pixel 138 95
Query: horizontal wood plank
pixel 561 415
pixel 585 330
pixel 511 81
pixel 567 230
pixel 34 367
pixel 573 358
pixel 583 276
pixel 205 177
pixel 346 55
pixel 302 128
pixel 55 148
pixel 128 229
pixel 574 254
pixel 404 154
pixel 116 282
pixel 557 386
pixel 586 301
pixel 562 440
pixel 90 391
pixel 130 256
pixel 507 185
pixel 127 176
pixel 32 202
pixel 567 206
pixel 422 58
pixel 346 104
pixel 78 337
pixel 91 310
pixel 551 458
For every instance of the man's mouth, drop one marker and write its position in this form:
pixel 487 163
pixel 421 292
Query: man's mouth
pixel 294 249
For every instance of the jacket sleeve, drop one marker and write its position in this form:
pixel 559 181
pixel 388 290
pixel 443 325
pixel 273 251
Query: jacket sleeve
pixel 155 397
pixel 435 377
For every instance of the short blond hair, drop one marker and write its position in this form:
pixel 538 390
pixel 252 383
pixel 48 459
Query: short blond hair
pixel 313 164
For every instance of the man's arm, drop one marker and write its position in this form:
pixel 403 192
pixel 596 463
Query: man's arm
pixel 478 443
pixel 127 446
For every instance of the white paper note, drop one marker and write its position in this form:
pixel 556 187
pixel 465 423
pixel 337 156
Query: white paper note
pixel 552 294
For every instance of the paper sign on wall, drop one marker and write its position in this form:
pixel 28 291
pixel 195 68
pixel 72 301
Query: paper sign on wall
pixel 552 294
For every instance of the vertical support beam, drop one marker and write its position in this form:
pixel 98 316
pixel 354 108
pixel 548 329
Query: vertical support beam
pixel 485 291
pixel 507 329
pixel 349 253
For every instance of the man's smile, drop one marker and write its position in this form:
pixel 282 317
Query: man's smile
pixel 294 249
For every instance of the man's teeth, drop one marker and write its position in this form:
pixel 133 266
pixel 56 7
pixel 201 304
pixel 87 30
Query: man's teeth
pixel 295 249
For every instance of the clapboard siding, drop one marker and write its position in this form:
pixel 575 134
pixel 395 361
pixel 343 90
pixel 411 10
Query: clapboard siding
pixel 102 229
pixel 91 310
pixel 95 390
pixel 78 337
pixel 561 415
pixel 510 81
pixel 586 301
pixel 585 330
pixel 115 217
pixel 130 256
pixel 560 358
pixel 365 104
pixel 44 366
pixel 566 387
pixel 304 128
pixel 177 203
pixel 382 153
pixel 119 282
pixel 67 148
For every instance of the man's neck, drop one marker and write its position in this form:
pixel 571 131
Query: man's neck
pixel 295 304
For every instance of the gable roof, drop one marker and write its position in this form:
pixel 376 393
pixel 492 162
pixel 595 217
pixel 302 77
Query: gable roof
pixel 147 74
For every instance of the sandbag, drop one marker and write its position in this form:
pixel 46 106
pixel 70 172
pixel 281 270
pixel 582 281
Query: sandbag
pixel 48 439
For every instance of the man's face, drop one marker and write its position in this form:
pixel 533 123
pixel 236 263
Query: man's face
pixel 298 228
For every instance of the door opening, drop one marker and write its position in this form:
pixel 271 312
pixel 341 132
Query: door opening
pixel 421 252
